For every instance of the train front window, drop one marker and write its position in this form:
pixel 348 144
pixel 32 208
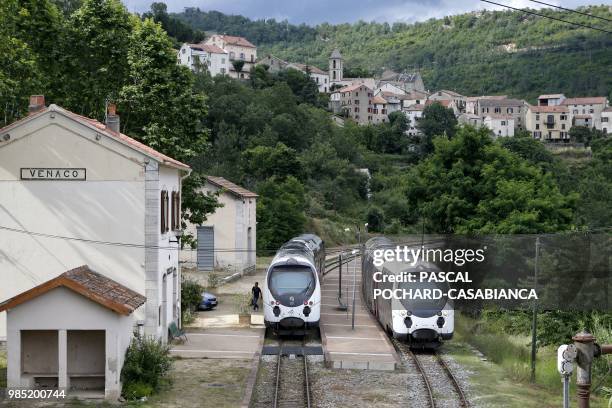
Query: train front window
pixel 291 285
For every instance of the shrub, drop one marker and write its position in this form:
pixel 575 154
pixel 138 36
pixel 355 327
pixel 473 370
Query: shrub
pixel 213 280
pixel 147 361
pixel 191 296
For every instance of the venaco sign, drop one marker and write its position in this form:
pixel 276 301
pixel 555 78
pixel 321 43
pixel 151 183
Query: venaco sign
pixel 53 174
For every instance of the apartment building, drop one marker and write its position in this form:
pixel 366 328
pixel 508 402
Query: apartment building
pixel 606 121
pixel 549 123
pixel 204 56
pixel 355 102
pixel 515 108
pixel 501 125
pixel 586 111
pixel 238 49
pixel 458 101
pixel 551 100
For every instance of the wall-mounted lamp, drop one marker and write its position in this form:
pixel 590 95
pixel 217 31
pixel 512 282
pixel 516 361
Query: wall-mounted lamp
pixel 178 234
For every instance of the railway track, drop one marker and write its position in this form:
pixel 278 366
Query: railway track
pixel 292 389
pixel 440 387
pixel 284 381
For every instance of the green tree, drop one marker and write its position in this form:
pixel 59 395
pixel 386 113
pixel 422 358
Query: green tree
pixel 159 104
pixel 436 121
pixel 95 56
pixel 472 184
pixel 263 162
pixel 280 213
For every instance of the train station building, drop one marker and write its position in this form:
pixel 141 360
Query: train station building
pixel 73 192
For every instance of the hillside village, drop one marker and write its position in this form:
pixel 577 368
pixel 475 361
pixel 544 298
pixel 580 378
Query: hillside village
pixel 372 100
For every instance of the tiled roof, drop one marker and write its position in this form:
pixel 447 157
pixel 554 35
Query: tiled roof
pixel 415 107
pixel 501 102
pixel 379 100
pixel 312 68
pixel 445 102
pixel 589 100
pixel 451 93
pixel 583 116
pixel 476 98
pixel 352 88
pixel 101 127
pixel 240 41
pixel 231 187
pixel 213 49
pixel 548 109
pixel 92 285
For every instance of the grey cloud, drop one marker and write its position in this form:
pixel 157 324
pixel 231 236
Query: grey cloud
pixel 342 11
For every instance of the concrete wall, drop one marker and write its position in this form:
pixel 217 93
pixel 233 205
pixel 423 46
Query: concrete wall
pixel 107 207
pixel 54 310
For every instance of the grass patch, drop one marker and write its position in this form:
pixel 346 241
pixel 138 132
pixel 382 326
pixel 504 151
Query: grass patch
pixel 511 369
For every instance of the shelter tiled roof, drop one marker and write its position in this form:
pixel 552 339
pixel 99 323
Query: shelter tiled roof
pixel 92 285
pixel 589 100
pixel 231 187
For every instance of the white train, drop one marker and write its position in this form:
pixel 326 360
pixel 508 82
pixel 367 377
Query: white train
pixel 292 290
pixel 421 323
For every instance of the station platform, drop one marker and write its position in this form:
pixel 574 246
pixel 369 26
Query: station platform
pixel 239 343
pixel 364 347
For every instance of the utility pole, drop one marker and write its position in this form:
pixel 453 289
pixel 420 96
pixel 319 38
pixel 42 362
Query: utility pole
pixel 534 323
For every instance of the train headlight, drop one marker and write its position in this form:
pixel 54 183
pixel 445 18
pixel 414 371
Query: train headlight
pixel 311 303
pixel 306 311
pixel 440 322
pixel 276 311
pixel 408 322
pixel 409 313
pixel 271 303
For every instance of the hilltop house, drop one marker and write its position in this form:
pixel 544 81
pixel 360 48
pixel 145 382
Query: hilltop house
pixel 606 121
pixel 238 49
pixel 501 125
pixel 548 123
pixel 355 101
pixel 551 100
pixel 320 77
pixel 93 196
pixel 586 111
pixel 515 108
pixel 458 100
pixel 209 57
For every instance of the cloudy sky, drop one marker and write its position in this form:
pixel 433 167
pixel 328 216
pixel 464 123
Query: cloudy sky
pixel 342 11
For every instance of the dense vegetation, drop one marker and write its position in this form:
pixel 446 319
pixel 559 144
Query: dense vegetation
pixel 489 52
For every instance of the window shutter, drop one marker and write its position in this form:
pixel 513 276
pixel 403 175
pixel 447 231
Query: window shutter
pixel 163 211
pixel 172 216
pixel 167 213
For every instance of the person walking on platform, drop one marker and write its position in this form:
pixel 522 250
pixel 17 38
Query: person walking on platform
pixel 256 294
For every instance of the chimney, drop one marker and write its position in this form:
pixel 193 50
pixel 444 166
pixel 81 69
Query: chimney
pixel 112 119
pixel 37 103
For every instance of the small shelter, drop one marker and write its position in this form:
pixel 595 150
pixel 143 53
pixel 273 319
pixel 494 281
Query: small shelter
pixel 72 333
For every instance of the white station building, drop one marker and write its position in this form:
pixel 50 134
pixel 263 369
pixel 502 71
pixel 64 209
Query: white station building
pixel 74 192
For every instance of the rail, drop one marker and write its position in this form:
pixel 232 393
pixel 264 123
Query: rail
pixel 278 398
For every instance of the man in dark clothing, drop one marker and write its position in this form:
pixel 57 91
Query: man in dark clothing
pixel 256 293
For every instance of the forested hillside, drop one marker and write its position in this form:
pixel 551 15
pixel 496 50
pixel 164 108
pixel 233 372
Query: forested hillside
pixel 505 52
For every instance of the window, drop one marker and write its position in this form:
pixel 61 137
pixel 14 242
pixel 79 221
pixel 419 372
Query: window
pixel 334 63
pixel 510 110
pixel 503 123
pixel 497 110
pixel 184 50
pixel 591 111
pixel 563 117
pixel 242 55
pixel 537 117
pixel 356 109
pixel 252 58
pixel 356 95
pixel 164 212
pixel 563 126
pixel 356 101
pixel 604 119
pixel 334 73
pixel 537 126
pixel 232 55
pixel 575 111
pixel 325 80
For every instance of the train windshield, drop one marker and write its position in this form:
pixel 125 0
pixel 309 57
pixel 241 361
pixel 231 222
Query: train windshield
pixel 291 285
pixel 423 307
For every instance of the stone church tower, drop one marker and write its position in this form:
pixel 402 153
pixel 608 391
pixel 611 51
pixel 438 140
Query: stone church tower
pixel 335 67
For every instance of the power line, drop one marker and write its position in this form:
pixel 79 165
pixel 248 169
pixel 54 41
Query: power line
pixel 549 17
pixel 573 11
pixel 140 246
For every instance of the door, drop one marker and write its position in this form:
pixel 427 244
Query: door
pixel 206 248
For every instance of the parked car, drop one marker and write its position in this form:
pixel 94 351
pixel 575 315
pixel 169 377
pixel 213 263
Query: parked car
pixel 208 302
